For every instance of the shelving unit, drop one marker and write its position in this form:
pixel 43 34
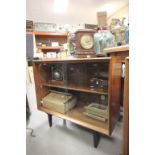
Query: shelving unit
pixel 77 74
pixel 44 37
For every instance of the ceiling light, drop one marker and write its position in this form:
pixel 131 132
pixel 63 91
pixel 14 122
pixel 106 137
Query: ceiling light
pixel 60 6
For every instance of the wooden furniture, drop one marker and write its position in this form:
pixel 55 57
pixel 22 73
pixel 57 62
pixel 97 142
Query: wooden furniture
pixel 119 51
pixel 46 37
pixel 126 110
pixel 77 73
pixel 122 51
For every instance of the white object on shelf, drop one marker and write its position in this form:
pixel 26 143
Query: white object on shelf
pixel 55 44
pixel 123 70
pixel 65 46
pixel 51 54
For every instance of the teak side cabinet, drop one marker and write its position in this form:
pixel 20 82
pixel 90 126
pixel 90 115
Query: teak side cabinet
pixel 77 83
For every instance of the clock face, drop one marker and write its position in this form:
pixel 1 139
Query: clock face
pixel 87 41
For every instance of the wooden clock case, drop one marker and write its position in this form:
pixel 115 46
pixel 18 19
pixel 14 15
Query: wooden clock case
pixel 79 50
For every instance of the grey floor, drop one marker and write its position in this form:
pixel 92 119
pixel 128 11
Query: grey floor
pixel 65 138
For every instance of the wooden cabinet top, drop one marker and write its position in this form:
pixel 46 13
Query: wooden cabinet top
pixel 116 49
pixel 72 60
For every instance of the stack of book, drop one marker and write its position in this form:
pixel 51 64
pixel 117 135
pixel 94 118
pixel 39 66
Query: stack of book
pixel 29 26
pixel 96 111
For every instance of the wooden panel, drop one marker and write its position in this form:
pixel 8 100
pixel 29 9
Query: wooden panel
pixel 76 116
pixel 116 49
pixel 40 91
pixel 37 83
pixel 114 91
pixel 122 51
pixel 77 88
pixel 126 110
pixel 73 60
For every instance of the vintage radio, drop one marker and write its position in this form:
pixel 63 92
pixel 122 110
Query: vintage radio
pixel 98 83
pixel 57 72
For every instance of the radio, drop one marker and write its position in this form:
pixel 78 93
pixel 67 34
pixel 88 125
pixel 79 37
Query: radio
pixel 98 83
pixel 57 72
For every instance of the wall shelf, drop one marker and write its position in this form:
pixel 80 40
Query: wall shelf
pixel 48 34
pixel 50 47
pixel 41 38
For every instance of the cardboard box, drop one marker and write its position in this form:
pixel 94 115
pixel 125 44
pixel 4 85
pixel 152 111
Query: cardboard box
pixel 61 102
pixel 102 18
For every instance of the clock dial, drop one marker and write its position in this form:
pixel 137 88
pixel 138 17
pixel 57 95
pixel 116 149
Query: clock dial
pixel 86 41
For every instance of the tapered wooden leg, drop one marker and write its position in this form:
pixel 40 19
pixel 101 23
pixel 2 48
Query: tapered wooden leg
pixel 96 139
pixel 50 119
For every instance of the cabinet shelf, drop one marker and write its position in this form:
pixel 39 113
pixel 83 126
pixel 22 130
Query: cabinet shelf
pixel 76 116
pixel 48 34
pixel 77 88
pixel 46 48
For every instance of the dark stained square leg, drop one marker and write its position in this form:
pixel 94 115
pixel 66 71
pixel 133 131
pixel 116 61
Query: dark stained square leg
pixel 96 139
pixel 50 119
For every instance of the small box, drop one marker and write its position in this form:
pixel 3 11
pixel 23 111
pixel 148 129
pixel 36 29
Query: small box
pixel 51 54
pixel 59 101
pixel 91 26
pixel 102 18
pixel 54 44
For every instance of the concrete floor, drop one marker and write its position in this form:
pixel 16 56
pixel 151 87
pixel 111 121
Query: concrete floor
pixel 65 138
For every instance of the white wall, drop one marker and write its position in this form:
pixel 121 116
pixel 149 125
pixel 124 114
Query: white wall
pixel 123 12
pixel 78 12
